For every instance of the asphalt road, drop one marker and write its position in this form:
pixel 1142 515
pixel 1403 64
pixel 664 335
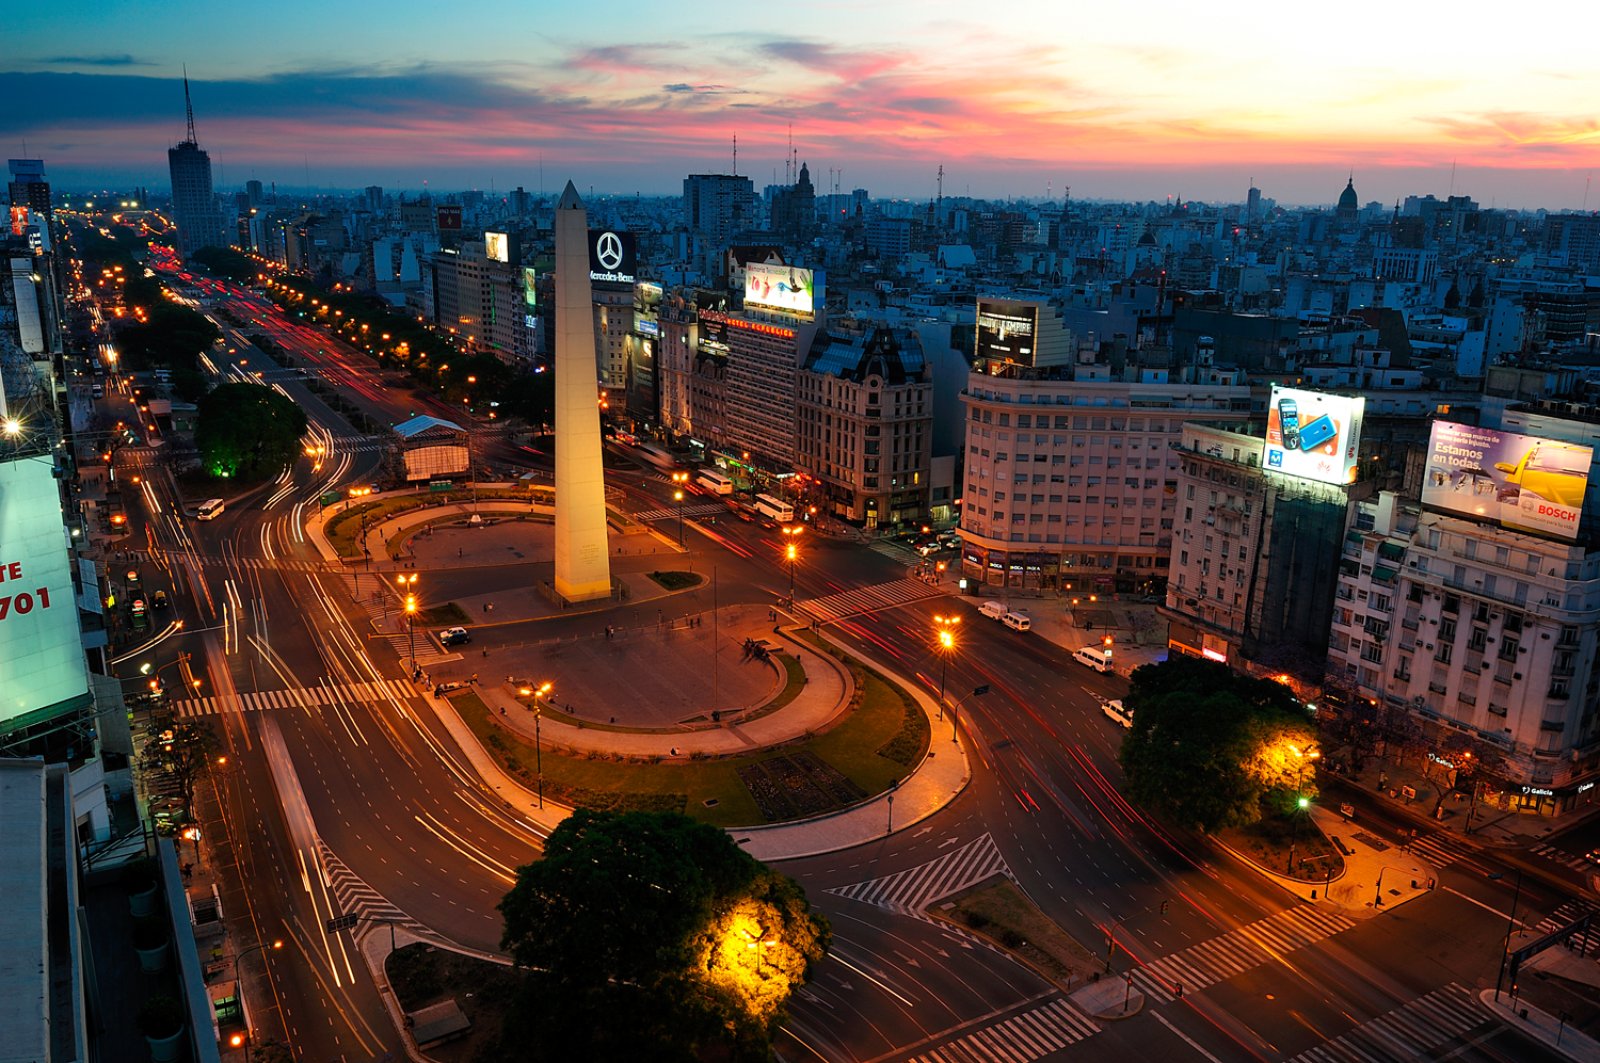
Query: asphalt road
pixel 367 806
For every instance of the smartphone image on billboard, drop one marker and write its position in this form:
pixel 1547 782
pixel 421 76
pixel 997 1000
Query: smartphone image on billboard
pixel 1317 433
pixel 1289 423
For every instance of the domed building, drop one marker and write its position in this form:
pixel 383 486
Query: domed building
pixel 1349 205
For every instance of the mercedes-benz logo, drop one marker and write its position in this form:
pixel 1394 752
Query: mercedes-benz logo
pixel 608 251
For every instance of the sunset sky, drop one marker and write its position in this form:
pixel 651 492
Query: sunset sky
pixel 1117 101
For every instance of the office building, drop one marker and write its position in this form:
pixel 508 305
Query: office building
pixel 28 187
pixel 1248 577
pixel 194 206
pixel 864 425
pixel 1071 474
pixel 716 207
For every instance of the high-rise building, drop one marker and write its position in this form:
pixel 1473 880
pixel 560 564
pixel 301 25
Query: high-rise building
pixel 374 198
pixel 252 191
pixel 28 187
pixel 794 210
pixel 194 206
pixel 715 208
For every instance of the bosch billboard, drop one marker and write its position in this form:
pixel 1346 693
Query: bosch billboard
pixel 1525 483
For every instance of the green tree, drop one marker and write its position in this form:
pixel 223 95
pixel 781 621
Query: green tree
pixel 173 335
pixel 181 747
pixel 665 921
pixel 226 262
pixel 1212 748
pixel 247 431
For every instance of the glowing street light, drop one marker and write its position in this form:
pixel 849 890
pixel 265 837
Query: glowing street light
pixel 791 553
pixel 680 481
pixel 945 643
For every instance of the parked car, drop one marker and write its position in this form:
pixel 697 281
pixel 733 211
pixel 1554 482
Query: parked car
pixel 455 636
pixel 993 610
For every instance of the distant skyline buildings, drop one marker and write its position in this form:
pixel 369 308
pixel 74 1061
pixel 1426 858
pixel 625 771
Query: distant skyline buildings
pixel 1166 104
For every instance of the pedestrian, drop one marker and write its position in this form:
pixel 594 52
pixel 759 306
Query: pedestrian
pixel 486 607
pixel 474 677
pixel 460 551
pixel 502 710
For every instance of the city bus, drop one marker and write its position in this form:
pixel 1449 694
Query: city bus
pixel 656 456
pixel 715 482
pixel 210 509
pixel 778 510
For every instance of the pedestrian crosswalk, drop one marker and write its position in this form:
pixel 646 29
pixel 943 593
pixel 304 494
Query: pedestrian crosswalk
pixel 354 897
pixel 1566 915
pixel 1021 1038
pixel 427 655
pixel 832 607
pixel 1564 858
pixel 1237 951
pixel 1442 849
pixel 1411 1031
pixel 911 891
pixel 703 509
pixel 294 698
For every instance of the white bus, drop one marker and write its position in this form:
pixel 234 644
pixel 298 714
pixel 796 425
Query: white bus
pixel 210 509
pixel 778 510
pixel 715 482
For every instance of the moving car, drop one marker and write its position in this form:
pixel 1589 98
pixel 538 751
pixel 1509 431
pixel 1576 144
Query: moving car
pixel 1092 656
pixel 1114 710
pixel 158 600
pixel 454 636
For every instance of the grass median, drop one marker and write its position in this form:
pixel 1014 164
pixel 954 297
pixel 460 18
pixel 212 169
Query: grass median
pixel 878 725
pixel 343 530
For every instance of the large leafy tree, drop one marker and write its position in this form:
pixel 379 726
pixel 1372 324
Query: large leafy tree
pixel 172 335
pixel 226 262
pixel 652 936
pixel 1212 748
pixel 247 431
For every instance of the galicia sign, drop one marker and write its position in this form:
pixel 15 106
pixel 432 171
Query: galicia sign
pixel 613 257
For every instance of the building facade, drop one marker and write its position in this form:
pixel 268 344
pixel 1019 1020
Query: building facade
pixel 1484 635
pixel 1248 580
pixel 1072 483
pixel 194 207
pixel 864 425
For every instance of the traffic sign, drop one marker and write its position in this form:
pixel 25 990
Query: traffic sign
pixel 342 922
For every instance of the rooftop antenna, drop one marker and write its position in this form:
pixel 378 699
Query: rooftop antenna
pixel 789 176
pixel 1452 177
pixel 188 108
pixel 1586 181
pixel 940 185
pixel 736 155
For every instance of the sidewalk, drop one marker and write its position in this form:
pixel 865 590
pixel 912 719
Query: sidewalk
pixel 1373 869
pixel 1542 1027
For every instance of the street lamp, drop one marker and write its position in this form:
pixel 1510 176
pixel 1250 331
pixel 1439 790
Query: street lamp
pixel 945 634
pixel 791 553
pixel 407 583
pixel 543 691
pixel 680 481
pixel 955 710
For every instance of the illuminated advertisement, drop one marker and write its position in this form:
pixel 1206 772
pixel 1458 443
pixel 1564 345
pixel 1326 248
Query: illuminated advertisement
pixel 19 220
pixel 1521 482
pixel 530 286
pixel 42 670
pixel 1007 330
pixel 613 257
pixel 496 248
pixel 449 219
pixel 1313 435
pixel 780 287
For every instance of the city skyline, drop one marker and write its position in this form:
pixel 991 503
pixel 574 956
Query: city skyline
pixel 1161 106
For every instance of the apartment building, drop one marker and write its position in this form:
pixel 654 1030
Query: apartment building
pixel 864 424
pixel 1070 474
pixel 1479 630
pixel 1248 581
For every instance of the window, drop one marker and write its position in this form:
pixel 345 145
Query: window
pixel 1508 649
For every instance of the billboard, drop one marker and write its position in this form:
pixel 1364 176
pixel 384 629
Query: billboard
pixel 496 247
pixel 785 288
pixel 1522 482
pixel 1313 435
pixel 449 218
pixel 42 670
pixel 613 256
pixel 1007 331
pixel 530 286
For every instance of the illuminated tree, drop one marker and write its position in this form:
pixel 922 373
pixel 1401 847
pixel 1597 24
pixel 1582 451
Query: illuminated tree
pixel 1212 748
pixel 662 920
pixel 247 431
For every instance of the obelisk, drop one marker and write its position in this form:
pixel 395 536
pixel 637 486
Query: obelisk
pixel 583 562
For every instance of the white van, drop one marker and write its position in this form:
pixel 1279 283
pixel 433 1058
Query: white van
pixel 210 509
pixel 993 610
pixel 1093 656
pixel 1113 709
pixel 1016 621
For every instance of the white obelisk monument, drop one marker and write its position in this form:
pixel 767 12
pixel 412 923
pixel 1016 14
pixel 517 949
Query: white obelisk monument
pixel 583 562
